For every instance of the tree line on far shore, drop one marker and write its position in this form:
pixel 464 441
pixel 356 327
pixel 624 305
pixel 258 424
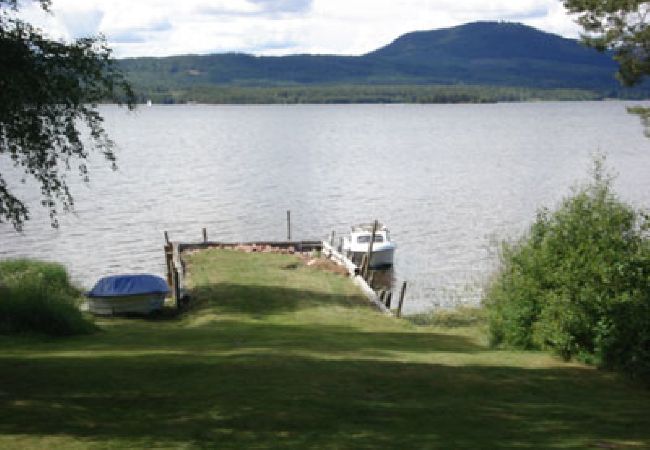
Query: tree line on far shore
pixel 344 94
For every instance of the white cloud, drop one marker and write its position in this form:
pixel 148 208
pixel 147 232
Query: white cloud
pixel 272 27
pixel 82 22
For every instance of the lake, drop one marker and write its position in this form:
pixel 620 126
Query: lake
pixel 450 181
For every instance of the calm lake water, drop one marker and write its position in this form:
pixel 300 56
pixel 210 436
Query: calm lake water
pixel 450 181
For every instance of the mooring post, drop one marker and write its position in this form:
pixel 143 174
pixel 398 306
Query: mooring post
pixel 168 262
pixel 370 245
pixel 177 289
pixel 288 225
pixel 364 265
pixel 401 300
pixel 205 235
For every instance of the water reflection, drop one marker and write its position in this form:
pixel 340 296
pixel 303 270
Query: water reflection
pixel 381 279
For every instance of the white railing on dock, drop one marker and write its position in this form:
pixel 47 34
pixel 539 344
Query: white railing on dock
pixel 353 271
pixel 342 260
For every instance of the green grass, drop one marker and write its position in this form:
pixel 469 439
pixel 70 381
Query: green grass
pixel 279 356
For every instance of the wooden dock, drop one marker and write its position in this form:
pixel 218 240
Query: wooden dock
pixel 361 275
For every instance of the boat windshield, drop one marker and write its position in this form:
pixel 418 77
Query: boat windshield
pixel 365 238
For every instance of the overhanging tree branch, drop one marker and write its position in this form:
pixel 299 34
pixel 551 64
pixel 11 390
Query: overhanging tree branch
pixel 49 92
pixel 620 26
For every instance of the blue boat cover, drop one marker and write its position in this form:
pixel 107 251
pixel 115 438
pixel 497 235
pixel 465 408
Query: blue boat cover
pixel 123 285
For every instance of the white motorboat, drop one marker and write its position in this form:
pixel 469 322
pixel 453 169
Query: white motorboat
pixel 356 245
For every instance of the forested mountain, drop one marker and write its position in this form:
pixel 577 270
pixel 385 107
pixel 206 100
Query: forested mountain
pixel 499 53
pixel 480 53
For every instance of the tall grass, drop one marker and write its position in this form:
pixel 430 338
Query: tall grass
pixel 37 297
pixel 579 283
pixel 463 316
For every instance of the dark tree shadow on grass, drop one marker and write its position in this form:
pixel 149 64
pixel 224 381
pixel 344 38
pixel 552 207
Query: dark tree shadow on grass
pixel 272 401
pixel 264 300
pixel 247 383
pixel 231 335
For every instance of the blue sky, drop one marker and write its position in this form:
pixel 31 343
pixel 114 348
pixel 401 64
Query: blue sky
pixel 278 27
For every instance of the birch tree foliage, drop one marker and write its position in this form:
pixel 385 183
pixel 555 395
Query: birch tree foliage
pixel 49 96
pixel 620 26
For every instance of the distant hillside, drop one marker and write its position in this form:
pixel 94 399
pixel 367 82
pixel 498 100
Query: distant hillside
pixel 502 54
pixel 480 53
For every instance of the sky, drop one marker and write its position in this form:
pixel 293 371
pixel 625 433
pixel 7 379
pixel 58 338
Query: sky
pixel 277 27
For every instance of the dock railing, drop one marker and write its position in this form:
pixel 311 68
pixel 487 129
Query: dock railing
pixel 355 272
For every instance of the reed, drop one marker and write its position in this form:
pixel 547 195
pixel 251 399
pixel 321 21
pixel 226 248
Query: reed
pixel 37 297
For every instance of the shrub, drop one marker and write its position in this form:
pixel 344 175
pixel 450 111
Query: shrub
pixel 37 296
pixel 578 282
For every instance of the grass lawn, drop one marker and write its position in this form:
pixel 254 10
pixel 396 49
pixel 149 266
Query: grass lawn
pixel 279 355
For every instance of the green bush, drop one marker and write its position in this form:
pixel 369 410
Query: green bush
pixel 579 283
pixel 37 296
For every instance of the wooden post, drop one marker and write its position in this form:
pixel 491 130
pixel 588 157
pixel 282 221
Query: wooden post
pixel 205 235
pixel 389 297
pixel 289 225
pixel 372 242
pixel 401 300
pixel 166 238
pixel 168 262
pixel 364 265
pixel 177 289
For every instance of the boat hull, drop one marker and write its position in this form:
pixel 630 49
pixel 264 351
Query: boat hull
pixel 380 258
pixel 128 304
